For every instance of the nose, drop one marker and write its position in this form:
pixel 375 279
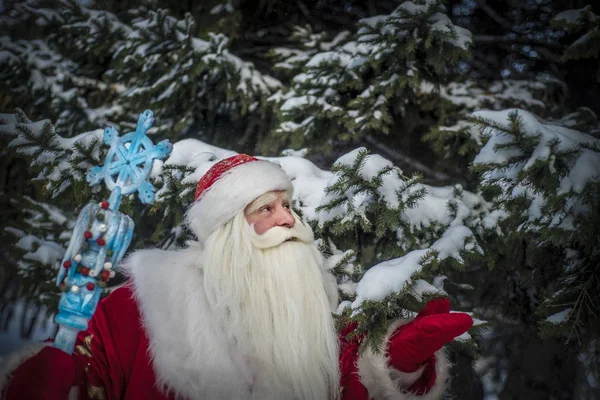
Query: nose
pixel 285 218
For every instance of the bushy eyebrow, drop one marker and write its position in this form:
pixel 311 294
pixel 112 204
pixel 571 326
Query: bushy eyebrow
pixel 264 200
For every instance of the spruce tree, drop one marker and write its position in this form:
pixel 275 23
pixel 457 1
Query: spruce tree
pixel 369 83
pixel 379 106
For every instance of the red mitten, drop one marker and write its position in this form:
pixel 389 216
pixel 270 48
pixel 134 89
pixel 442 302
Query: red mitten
pixel 49 374
pixel 414 343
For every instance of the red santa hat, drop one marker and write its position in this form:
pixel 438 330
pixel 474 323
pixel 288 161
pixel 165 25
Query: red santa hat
pixel 228 187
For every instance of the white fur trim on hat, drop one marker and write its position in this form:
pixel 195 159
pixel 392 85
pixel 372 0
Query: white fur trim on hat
pixel 231 193
pixel 386 383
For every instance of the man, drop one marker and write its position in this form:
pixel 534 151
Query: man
pixel 244 313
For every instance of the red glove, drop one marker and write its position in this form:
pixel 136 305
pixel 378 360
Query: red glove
pixel 49 374
pixel 414 343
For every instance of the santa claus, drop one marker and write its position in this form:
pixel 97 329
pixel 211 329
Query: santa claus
pixel 243 313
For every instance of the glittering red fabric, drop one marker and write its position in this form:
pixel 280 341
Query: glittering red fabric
pixel 218 170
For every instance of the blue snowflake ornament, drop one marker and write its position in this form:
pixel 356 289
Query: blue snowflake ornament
pixel 129 162
pixel 102 234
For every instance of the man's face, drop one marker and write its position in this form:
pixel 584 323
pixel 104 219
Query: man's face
pixel 270 211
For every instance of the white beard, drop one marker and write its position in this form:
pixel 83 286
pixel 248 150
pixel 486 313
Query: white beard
pixel 271 297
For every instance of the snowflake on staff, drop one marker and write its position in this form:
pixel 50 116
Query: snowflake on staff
pixel 129 161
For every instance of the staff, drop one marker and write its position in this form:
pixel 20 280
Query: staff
pixel 102 234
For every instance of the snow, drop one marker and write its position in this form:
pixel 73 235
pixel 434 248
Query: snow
pixel 452 241
pixel 225 7
pixel 473 97
pixel 52 212
pixel 392 275
pixel 295 102
pixel 9 119
pixel 572 16
pixel 47 253
pixel 432 208
pixel 387 277
pixel 342 306
pixel 295 153
pixel 559 317
pixel 582 168
pixel 374 163
pixel 518 90
pixel 348 288
pixel 327 57
pixel 441 23
pixel 6 57
pixel 422 287
pixel 307 100
pixel 83 138
pixel 168 92
pixel 100 18
pixel 192 153
pixel 372 21
pixel 411 8
pixel 586 167
pixel 292 58
pixel 464 37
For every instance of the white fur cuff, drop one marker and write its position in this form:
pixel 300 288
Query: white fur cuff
pixel 386 383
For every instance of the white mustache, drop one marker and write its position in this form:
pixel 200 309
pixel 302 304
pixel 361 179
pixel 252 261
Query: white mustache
pixel 275 236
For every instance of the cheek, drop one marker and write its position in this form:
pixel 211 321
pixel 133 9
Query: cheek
pixel 261 226
pixel 261 222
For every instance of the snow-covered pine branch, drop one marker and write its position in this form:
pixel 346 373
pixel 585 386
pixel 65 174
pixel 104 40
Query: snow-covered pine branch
pixel 58 161
pixel 361 84
pixel 37 244
pixel 190 79
pixel 587 24
pixel 454 140
pixel 123 66
pixel 547 178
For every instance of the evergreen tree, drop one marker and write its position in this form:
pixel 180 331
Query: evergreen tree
pixel 444 149
pixel 575 21
pixel 546 179
pixel 454 141
pixel 370 82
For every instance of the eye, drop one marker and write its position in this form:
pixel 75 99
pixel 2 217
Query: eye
pixel 287 206
pixel 265 209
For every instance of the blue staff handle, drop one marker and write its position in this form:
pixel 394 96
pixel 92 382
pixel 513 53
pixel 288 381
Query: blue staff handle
pixel 102 234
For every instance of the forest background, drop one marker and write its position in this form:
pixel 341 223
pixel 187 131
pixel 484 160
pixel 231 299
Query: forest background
pixel 454 141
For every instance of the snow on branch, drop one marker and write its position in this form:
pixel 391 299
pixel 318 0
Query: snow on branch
pixel 59 161
pixel 520 147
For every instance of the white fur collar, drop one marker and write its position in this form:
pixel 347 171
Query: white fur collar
pixel 190 358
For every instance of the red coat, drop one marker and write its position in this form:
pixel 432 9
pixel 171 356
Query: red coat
pixel 113 357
